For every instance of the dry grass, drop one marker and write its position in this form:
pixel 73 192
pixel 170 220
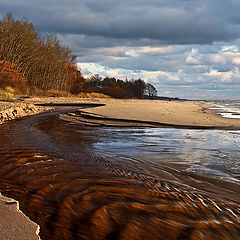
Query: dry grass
pixel 92 95
pixel 37 92
pixel 58 93
pixel 12 94
pixel 8 94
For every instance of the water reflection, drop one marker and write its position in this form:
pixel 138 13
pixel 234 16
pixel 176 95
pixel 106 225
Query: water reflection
pixel 214 152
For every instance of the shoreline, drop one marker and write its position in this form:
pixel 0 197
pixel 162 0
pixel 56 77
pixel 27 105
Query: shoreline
pixel 126 112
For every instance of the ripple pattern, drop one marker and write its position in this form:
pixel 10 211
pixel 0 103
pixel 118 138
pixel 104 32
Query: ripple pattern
pixel 86 197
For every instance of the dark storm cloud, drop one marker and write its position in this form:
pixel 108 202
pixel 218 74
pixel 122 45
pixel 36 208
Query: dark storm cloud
pixel 175 21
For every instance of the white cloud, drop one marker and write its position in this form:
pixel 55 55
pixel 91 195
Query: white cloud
pixel 152 51
pixel 218 59
pixel 213 73
pixel 89 69
pixel 231 48
pixel 167 92
pixel 154 76
pixel 225 77
pixel 193 57
pixel 236 61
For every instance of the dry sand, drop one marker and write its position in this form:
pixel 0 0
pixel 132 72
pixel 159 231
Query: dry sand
pixel 186 113
pixel 14 225
pixel 12 110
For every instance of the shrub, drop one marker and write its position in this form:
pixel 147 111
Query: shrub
pixel 92 95
pixel 7 94
pixel 11 76
pixel 115 92
pixel 57 93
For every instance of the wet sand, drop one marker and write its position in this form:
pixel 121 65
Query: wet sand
pixel 74 195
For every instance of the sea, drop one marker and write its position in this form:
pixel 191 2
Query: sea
pixel 227 108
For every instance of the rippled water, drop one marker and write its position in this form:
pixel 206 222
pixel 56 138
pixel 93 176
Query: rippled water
pixel 131 183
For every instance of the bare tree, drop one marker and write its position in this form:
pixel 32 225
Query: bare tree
pixel 44 62
pixel 150 90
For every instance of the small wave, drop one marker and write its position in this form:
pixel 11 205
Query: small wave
pixel 227 109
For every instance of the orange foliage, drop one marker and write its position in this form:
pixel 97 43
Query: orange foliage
pixel 10 76
pixel 115 92
pixel 78 81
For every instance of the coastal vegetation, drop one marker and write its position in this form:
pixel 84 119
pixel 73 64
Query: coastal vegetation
pixel 33 64
pixel 118 88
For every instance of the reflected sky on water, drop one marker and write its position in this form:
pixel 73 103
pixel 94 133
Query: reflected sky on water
pixel 214 152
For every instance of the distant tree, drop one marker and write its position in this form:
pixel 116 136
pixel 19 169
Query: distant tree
pixel 138 88
pixel 150 90
pixel 95 80
pixel 119 88
pixel 115 92
pixel 109 82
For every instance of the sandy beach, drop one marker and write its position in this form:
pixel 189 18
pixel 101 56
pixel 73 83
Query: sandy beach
pixel 185 113
pixel 12 110
pixel 14 225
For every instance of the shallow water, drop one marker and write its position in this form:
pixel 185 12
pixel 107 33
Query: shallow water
pixel 211 152
pixel 107 183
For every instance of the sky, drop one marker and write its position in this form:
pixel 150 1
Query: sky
pixel 185 48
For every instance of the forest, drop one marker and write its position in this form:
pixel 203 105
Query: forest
pixel 32 64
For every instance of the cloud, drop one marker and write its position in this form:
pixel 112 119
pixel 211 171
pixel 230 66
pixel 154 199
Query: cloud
pixel 89 69
pixel 177 44
pixel 193 57
pixel 151 51
pixel 218 59
pixel 232 76
pixel 236 61
pixel 175 22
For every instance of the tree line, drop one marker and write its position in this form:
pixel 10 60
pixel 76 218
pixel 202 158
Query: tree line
pixel 42 61
pixel 28 60
pixel 120 88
